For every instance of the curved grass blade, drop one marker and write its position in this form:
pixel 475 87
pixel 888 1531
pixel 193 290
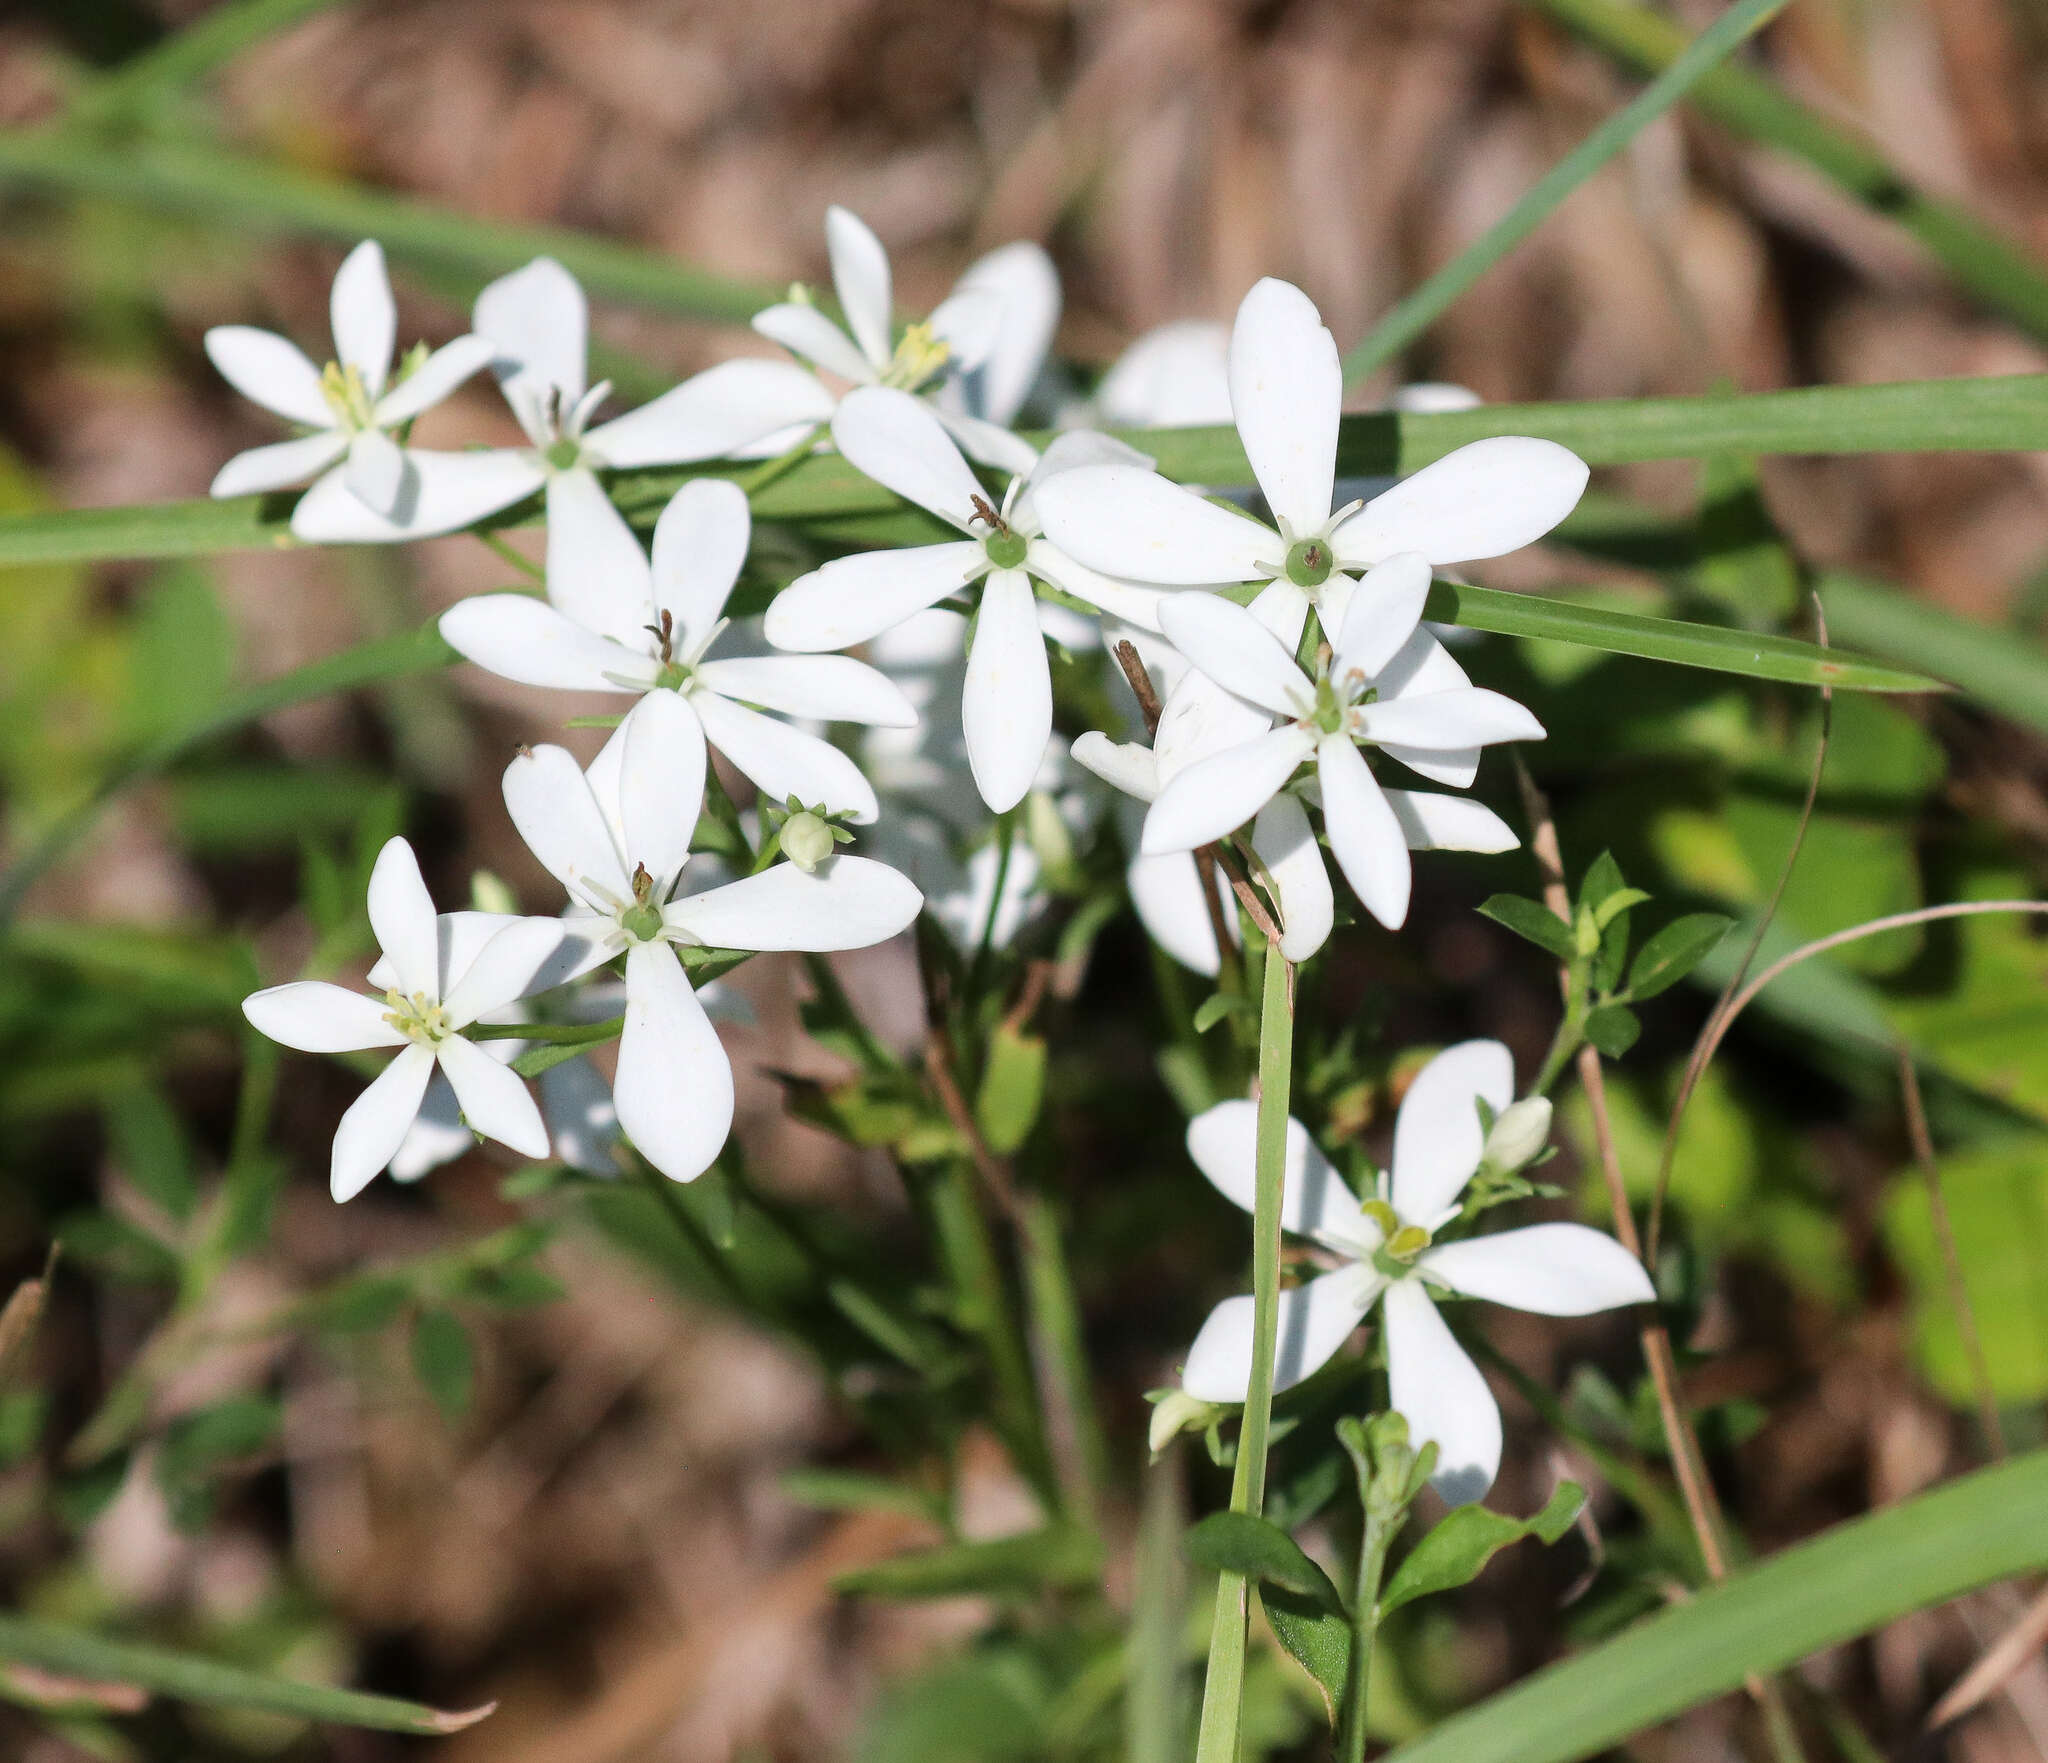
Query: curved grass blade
pixel 1414 315
pixel 2000 668
pixel 74 1653
pixel 1845 1582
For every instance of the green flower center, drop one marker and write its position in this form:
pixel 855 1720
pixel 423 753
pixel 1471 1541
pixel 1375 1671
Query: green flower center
pixel 1309 562
pixel 347 396
pixel 641 922
pixel 564 455
pixel 1006 548
pixel 1401 1244
pixel 417 1018
pixel 673 677
pixel 1329 718
pixel 918 357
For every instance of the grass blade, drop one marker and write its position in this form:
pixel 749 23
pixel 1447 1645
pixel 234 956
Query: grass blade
pixel 1999 668
pixel 209 42
pixel 1753 106
pixel 74 1653
pixel 1414 315
pixel 1844 1583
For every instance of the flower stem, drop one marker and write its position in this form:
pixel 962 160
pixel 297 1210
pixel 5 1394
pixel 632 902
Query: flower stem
pixel 1223 1689
pixel 1373 1544
pixel 765 474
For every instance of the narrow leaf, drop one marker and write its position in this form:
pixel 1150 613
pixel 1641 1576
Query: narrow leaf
pixel 1674 952
pixel 1317 1638
pixel 1012 1088
pixel 1240 1543
pixel 442 1360
pixel 1461 1545
pixel 1613 1028
pixel 1054 1557
pixel 1535 922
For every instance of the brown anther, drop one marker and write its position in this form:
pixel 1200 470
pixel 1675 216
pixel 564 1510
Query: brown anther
pixel 984 511
pixel 643 883
pixel 664 633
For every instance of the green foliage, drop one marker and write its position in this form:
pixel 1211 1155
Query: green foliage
pixel 1012 1088
pixel 1457 1549
pixel 1016 1566
pixel 1238 1542
pixel 444 1361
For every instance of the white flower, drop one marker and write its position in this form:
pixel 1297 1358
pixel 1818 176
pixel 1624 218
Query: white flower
pixel 1388 1257
pixel 536 323
pixel 638 627
pixel 1286 389
pixel 1006 705
pixel 350 406
pixel 1388 684
pixel 433 998
pixel 1174 376
pixel 617 838
pixel 980 349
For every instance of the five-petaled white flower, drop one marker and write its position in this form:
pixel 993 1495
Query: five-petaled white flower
pixel 537 322
pixel 351 405
pixel 976 355
pixel 1006 704
pixel 643 628
pixel 433 997
pixel 1389 1257
pixel 1378 686
pixel 617 839
pixel 1286 391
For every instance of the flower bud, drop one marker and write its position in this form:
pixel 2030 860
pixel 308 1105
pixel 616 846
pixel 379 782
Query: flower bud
pixel 1518 1135
pixel 806 841
pixel 1176 1412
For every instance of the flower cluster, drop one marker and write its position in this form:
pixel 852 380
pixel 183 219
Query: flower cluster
pixel 1290 644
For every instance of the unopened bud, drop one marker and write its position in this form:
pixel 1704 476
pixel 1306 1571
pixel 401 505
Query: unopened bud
pixel 1518 1135
pixel 1176 1412
pixel 806 841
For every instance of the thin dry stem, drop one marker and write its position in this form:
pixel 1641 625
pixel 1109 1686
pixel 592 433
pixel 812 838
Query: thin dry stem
pixel 2001 1659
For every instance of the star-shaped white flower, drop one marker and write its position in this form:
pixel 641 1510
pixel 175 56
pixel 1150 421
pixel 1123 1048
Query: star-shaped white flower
pixel 644 627
pixel 1286 391
pixel 434 995
pixel 617 838
pixel 350 406
pixel 536 322
pixel 1388 1255
pixel 1006 705
pixel 976 356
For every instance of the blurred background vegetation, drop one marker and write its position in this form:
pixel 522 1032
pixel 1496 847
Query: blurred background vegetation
pixel 502 1436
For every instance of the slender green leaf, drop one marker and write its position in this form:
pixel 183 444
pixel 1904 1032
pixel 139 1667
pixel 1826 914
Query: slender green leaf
pixel 2001 668
pixel 1453 1553
pixel 1055 1556
pixel 1848 1581
pixel 71 1652
pixel 1532 921
pixel 1012 1088
pixel 1419 310
pixel 444 1362
pixel 209 42
pixel 1316 1637
pixel 847 1490
pixel 1242 1543
pixel 1613 1028
pixel 1752 105
pixel 1675 951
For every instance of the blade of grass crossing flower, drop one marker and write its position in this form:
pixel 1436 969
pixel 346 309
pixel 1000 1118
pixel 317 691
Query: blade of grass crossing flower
pixel 208 43
pixel 74 1653
pixel 1848 1581
pixel 1753 106
pixel 1421 309
pixel 1223 1687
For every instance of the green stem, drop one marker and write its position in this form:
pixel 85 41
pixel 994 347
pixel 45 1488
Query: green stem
pixel 1223 1689
pixel 558 1034
pixel 1421 309
pixel 716 1264
pixel 768 472
pixel 1376 1538
pixel 525 565
pixel 1076 1442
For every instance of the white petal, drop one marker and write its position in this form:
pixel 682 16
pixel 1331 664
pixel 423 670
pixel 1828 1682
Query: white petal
pixel 674 1082
pixel 987 444
pixel 860 276
pixel 661 784
pixel 550 802
pixel 781 761
pixel 1484 500
pixel 854 598
pixel 269 370
pixel 1285 390
pixel 376 471
pixel 897 440
pixel 1314 1321
pixel 805 331
pixel 1435 1386
pixel 1200 720
pixel 444 491
pixel 1124 765
pixel 1437 1135
pixel 1286 844
pixel 1424 666
pixel 1431 822
pixel 495 1100
pixel 597 572
pixel 538 322
pixel 967 322
pixel 1314 1200
pixel 714 414
pixel 1022 276
pixel 364 317
pixel 700 544
pixel 1552 1269
pixel 1006 704
pixel 1236 651
pixel 1175 376
pixel 1071 451
pixel 377 1121
pixel 826 688
pixel 1384 610
pixel 1129 601
pixel 434 379
pixel 1135 524
pixel 315 1017
pixel 1365 838
pixel 1473 717
pixel 281 464
pixel 847 903
pixel 577 1104
pixel 520 638
pixel 464 936
pixel 402 916
pixel 1167 893
pixel 1220 793
pixel 517 962
pixel 1433 398
pixel 437 1135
